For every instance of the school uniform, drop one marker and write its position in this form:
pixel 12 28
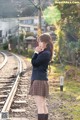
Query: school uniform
pixel 39 80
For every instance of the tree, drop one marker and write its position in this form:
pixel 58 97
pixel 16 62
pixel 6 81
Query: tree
pixel 67 30
pixel 52 15
pixel 70 25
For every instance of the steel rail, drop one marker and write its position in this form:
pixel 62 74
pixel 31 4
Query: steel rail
pixel 6 107
pixel 5 60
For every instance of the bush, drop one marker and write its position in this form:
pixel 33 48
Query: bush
pixel 30 52
pixel 1 47
pixel 15 50
pixel 5 46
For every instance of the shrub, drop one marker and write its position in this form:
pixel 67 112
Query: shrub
pixel 5 46
pixel 30 52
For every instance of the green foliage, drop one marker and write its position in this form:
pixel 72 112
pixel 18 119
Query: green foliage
pixel 30 52
pixel 13 39
pixel 15 50
pixel 70 19
pixel 69 53
pixel 69 33
pixel 73 86
pixel 52 15
pixel 1 47
pixel 21 37
pixel 5 46
pixel 70 97
pixel 78 46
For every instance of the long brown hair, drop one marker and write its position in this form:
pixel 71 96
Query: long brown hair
pixel 47 39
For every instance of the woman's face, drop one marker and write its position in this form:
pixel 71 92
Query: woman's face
pixel 42 45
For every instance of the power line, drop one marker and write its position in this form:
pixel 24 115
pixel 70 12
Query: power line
pixel 35 5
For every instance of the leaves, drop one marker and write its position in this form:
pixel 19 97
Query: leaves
pixel 52 15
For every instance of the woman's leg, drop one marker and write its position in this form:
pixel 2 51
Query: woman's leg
pixel 45 107
pixel 40 103
pixel 42 107
pixel 46 110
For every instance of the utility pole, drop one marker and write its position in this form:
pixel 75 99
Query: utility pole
pixel 38 6
pixel 40 21
pixel 39 12
pixel 18 40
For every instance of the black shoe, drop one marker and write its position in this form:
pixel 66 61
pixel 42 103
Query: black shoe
pixel 46 116
pixel 41 116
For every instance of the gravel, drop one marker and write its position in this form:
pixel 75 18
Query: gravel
pixel 54 102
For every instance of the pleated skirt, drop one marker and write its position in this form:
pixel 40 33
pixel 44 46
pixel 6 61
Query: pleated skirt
pixel 40 88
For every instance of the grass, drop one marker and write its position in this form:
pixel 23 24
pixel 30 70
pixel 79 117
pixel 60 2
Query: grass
pixel 71 94
pixel 28 59
pixel 73 87
pixel 70 97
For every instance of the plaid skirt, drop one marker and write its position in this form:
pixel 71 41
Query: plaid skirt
pixel 40 88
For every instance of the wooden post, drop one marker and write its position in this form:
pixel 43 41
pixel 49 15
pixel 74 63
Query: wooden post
pixel 61 83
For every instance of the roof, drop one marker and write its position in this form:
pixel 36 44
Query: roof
pixel 30 38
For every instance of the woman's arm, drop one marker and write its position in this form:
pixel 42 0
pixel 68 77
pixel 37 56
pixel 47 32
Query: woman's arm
pixel 41 58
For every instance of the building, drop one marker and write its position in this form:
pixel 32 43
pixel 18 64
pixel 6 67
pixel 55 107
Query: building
pixel 13 26
pixel 30 24
pixel 8 27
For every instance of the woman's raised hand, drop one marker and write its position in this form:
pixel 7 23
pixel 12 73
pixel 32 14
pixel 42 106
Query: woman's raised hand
pixel 38 49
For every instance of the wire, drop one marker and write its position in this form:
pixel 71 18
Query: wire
pixel 34 4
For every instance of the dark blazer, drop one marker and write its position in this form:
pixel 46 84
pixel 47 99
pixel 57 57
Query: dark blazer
pixel 40 65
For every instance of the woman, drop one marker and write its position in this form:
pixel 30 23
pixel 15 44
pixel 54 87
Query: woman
pixel 39 82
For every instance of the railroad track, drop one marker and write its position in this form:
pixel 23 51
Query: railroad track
pixel 14 85
pixel 9 79
pixel 23 106
pixel 20 106
pixel 3 60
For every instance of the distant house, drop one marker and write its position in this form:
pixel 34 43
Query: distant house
pixel 30 24
pixel 13 26
pixel 8 26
